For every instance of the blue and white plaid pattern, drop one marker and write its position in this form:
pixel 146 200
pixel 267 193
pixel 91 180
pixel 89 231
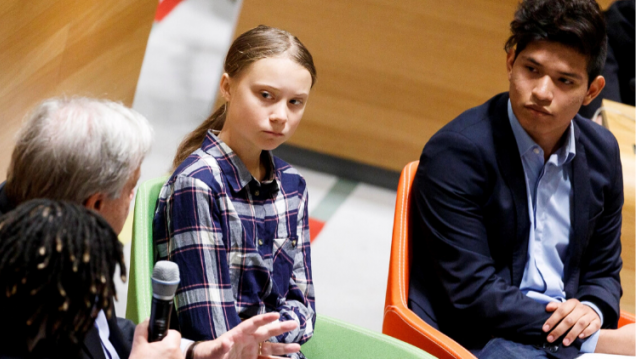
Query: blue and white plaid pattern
pixel 242 246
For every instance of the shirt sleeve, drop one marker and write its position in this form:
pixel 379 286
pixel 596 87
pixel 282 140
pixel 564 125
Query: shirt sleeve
pixel 204 299
pixel 299 304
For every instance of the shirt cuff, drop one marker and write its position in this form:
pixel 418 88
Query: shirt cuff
pixel 596 309
pixel 589 344
pixel 185 344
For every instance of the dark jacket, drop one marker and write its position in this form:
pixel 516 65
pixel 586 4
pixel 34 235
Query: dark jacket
pixel 471 227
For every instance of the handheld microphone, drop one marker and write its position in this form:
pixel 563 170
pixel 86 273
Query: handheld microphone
pixel 165 279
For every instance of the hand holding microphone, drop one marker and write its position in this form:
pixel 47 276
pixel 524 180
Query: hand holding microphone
pixel 165 280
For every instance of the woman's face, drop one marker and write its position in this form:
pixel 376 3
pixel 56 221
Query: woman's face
pixel 265 102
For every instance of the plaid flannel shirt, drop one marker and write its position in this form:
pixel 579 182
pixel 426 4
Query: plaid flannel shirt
pixel 242 247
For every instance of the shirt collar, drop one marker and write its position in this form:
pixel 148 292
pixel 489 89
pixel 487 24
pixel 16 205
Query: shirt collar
pixel 237 175
pixel 525 143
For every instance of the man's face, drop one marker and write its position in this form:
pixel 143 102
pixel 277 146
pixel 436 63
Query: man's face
pixel 548 85
pixel 115 210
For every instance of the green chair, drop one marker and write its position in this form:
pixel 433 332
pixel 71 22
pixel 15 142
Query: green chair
pixel 332 338
pixel 336 339
pixel 141 256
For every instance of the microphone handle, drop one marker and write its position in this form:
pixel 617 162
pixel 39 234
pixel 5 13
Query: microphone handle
pixel 159 319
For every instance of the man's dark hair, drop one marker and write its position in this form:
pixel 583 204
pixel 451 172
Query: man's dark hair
pixel 57 261
pixel 575 23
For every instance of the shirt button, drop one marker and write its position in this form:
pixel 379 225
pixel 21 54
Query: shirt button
pixel 257 193
pixel 293 243
pixel 260 242
pixel 536 150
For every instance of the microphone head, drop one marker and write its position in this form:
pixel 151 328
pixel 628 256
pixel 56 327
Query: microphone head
pixel 165 280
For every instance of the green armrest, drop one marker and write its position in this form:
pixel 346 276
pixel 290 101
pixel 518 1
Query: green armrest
pixel 334 338
pixel 142 256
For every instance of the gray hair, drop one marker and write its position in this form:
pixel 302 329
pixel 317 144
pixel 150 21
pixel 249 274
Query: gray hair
pixel 71 148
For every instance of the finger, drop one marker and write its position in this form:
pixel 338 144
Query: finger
pixel 251 325
pixel 273 329
pixel 173 337
pixel 552 306
pixel 564 310
pixel 262 319
pixel 279 348
pixel 595 325
pixel 141 332
pixel 566 324
pixel 577 329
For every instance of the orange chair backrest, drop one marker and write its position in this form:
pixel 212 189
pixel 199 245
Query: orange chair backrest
pixel 397 290
pixel 399 321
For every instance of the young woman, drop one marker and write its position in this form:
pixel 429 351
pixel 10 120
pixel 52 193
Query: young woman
pixel 233 216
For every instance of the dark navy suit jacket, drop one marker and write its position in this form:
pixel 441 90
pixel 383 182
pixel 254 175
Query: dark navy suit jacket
pixel 471 226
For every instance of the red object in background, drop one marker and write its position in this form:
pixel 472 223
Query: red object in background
pixel 164 8
pixel 315 226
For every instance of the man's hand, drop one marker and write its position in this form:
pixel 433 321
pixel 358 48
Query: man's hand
pixel 242 342
pixel 168 348
pixel 571 314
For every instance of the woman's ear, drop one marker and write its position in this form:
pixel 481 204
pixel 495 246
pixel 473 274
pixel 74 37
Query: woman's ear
pixel 224 86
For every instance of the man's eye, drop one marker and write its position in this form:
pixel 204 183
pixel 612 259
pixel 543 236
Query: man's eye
pixel 531 69
pixel 296 102
pixel 266 94
pixel 566 81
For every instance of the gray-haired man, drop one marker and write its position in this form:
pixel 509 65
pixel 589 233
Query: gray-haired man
pixel 89 152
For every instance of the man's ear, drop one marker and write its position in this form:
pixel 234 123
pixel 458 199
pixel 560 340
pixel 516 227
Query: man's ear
pixel 95 202
pixel 510 61
pixel 594 90
pixel 224 87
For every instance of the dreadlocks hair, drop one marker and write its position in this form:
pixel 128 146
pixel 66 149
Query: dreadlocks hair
pixel 57 261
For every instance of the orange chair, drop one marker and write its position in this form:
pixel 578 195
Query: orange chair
pixel 626 318
pixel 399 321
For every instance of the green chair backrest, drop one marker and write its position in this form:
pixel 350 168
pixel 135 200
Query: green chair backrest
pixel 142 251
pixel 334 338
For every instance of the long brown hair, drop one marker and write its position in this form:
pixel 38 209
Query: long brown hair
pixel 258 43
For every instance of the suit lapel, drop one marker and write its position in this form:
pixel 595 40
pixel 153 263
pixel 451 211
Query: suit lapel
pixel 121 345
pixel 511 168
pixel 93 345
pixel 579 213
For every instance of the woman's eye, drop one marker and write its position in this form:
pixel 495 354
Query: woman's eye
pixel 266 94
pixel 296 102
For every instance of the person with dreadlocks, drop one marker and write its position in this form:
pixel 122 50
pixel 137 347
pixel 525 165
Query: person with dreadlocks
pixel 89 152
pixel 57 261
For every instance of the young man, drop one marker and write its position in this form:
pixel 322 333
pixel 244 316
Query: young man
pixel 516 245
pixel 89 152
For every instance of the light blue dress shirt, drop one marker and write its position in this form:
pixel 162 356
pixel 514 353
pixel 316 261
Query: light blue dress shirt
pixel 549 191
